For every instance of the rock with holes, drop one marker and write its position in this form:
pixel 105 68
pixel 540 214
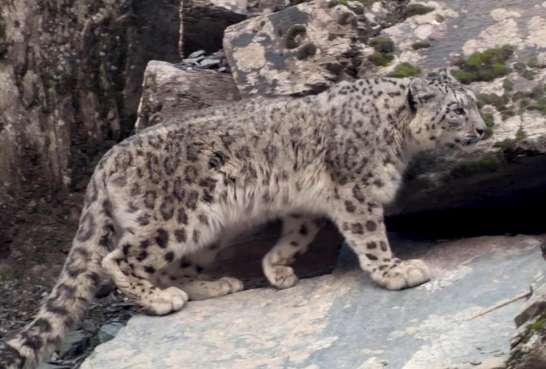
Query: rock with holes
pixel 170 92
pixel 304 48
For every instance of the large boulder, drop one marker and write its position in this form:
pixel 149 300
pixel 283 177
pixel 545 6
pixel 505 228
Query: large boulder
pixel 304 48
pixel 170 92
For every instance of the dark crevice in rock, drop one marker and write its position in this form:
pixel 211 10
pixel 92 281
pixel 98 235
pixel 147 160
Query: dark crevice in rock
pixel 204 24
pixel 517 212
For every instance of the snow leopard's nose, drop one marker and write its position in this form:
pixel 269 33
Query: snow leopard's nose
pixel 480 132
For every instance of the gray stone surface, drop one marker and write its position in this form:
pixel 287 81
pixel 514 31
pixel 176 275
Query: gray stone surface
pixel 272 55
pixel 342 321
pixel 170 92
pixel 456 28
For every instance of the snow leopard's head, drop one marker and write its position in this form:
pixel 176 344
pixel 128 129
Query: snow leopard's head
pixel 446 113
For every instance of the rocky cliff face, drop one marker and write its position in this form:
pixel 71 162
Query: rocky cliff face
pixel 70 81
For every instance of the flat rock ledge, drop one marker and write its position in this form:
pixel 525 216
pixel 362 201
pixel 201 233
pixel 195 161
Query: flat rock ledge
pixel 343 321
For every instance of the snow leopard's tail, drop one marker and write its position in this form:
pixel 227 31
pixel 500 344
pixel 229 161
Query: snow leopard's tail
pixel 81 276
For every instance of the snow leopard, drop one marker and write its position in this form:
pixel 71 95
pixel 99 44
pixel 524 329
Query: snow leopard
pixel 162 202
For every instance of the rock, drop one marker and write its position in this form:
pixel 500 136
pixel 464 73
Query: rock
pixel 492 363
pixel 541 60
pixel 74 344
pixel 109 331
pixel 70 79
pixel 170 92
pixel 209 63
pixel 320 322
pixel 197 54
pixel 203 23
pixel 528 345
pixel 201 60
pixel 302 49
pixel 259 7
pixel 536 306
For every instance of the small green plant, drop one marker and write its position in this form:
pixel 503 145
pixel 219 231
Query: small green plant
pixel 539 105
pixel 405 70
pixel 417 9
pixel 505 144
pixel 532 62
pixel 306 51
pixel 381 59
pixel 539 324
pixel 489 121
pixel 484 66
pixel 384 47
pixel 508 85
pixel 420 45
pixel 538 91
pixel 291 35
pixel 520 134
pixel 490 162
pixel 499 102
pixel 367 2
pixel 382 44
pixel 532 100
pixel 524 71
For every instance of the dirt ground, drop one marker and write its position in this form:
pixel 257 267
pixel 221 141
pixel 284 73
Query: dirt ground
pixel 36 237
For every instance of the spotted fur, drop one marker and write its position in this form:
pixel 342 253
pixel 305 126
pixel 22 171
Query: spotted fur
pixel 160 204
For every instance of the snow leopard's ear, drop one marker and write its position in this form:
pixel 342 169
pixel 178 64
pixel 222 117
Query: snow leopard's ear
pixel 419 92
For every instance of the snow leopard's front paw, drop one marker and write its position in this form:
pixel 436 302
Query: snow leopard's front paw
pixel 162 302
pixel 281 276
pixel 404 274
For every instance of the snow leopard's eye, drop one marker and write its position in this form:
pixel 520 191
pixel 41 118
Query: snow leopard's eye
pixel 459 111
pixel 456 117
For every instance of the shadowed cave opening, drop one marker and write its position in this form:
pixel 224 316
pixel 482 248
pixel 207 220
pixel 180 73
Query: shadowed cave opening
pixel 515 212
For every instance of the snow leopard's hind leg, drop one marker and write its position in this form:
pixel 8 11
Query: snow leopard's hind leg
pixel 189 273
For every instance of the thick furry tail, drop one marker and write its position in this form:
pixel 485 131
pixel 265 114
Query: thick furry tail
pixel 81 276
